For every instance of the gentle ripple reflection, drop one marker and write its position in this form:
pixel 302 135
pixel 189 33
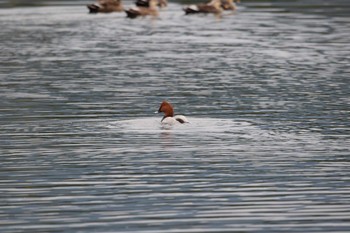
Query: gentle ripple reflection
pixel 266 150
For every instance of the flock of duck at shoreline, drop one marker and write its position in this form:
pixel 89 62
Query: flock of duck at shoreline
pixel 151 7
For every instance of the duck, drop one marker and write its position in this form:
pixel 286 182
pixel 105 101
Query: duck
pixel 169 117
pixel 105 6
pixel 229 5
pixel 145 3
pixel 143 11
pixel 214 7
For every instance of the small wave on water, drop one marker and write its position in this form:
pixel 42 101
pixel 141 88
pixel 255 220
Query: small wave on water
pixel 197 126
pixel 227 132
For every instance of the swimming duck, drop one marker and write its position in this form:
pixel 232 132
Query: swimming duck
pixel 213 7
pixel 143 11
pixel 145 3
pixel 169 117
pixel 229 4
pixel 105 6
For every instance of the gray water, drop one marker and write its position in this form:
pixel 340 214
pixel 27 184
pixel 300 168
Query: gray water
pixel 266 91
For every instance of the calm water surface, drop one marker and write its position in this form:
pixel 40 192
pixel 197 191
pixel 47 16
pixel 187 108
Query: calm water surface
pixel 266 91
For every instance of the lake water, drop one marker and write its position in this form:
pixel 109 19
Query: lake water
pixel 266 91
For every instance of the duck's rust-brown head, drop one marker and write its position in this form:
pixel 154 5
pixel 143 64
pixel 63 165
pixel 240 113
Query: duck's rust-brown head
pixel 167 109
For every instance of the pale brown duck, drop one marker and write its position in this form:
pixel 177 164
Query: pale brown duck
pixel 229 4
pixel 152 10
pixel 213 7
pixel 105 6
pixel 145 3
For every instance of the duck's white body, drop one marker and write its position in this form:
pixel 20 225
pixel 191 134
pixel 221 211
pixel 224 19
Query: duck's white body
pixel 178 119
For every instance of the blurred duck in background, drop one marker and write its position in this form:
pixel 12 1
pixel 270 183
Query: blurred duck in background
pixel 105 6
pixel 151 10
pixel 229 4
pixel 145 3
pixel 214 7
